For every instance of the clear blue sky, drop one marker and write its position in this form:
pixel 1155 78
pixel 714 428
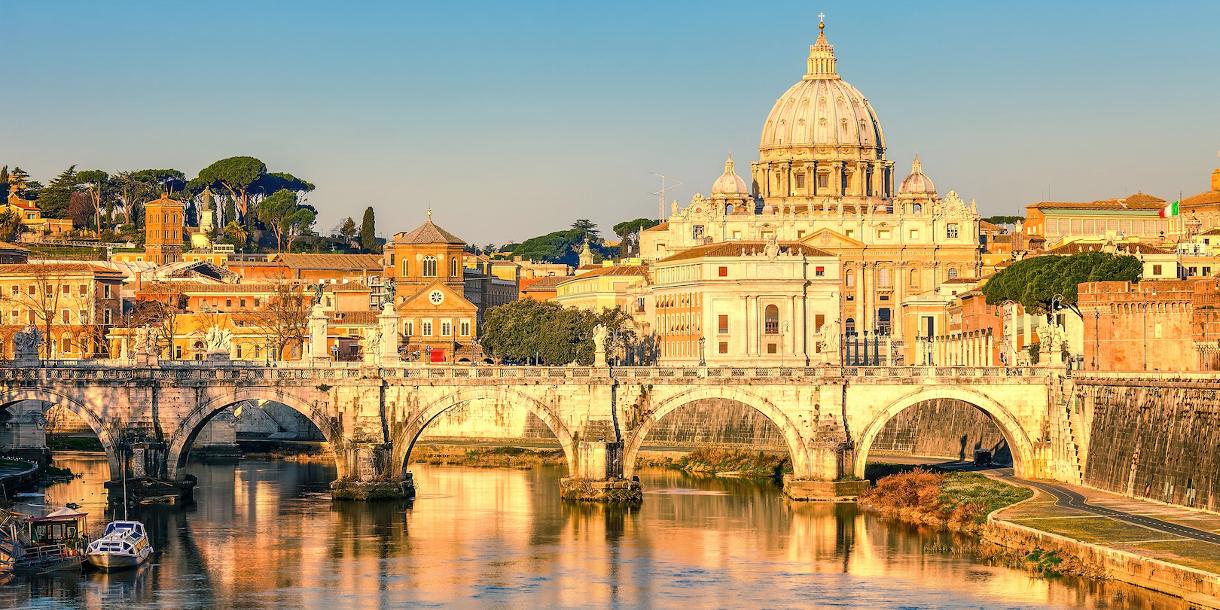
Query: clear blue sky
pixel 513 119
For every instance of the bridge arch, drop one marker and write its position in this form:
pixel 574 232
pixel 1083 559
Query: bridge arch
pixel 792 434
pixel 184 434
pixel 1018 441
pixel 410 432
pixel 90 416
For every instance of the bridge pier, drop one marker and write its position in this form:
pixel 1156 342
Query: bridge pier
pixel 599 476
pixel 366 474
pixel 830 477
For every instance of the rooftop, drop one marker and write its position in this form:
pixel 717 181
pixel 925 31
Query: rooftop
pixel 428 233
pixel 1136 201
pixel 744 248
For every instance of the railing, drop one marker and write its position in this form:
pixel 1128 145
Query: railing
pixel 245 371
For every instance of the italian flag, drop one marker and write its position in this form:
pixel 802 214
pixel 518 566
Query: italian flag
pixel 1170 210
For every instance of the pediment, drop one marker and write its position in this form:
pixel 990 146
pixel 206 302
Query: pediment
pixel 826 238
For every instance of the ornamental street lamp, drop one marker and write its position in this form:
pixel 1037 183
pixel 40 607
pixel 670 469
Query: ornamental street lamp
pixel 702 360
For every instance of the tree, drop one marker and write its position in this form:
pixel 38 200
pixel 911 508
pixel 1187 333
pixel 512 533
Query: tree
pixel 10 225
pixel 368 230
pixel 286 218
pixel 41 299
pixel 629 233
pixel 587 231
pixel 80 209
pixel 236 175
pixel 524 330
pixel 161 312
pixel 235 234
pixel 556 247
pixel 1005 220
pixel 96 184
pixel 20 184
pixel 285 319
pixel 54 199
pixel 348 231
pixel 1044 284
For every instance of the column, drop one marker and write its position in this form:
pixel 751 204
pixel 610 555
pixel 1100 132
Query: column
pixel 317 334
pixel 388 321
pixel 859 315
pixel 599 476
pixel 990 361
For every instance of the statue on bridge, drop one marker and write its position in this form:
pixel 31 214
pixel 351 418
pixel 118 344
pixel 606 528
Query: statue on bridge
pixel 218 341
pixel 26 343
pixel 600 333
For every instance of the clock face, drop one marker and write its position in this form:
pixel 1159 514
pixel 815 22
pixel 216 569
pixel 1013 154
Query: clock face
pixel 436 297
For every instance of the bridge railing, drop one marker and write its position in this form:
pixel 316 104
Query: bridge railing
pixel 189 370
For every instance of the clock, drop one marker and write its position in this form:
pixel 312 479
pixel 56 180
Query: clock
pixel 436 297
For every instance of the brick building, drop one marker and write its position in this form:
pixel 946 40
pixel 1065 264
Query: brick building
pixel 1150 326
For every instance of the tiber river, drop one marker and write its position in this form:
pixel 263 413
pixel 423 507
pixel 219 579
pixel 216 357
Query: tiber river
pixel 266 535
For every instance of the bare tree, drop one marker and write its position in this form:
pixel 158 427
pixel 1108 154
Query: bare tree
pixel 161 311
pixel 285 319
pixel 40 298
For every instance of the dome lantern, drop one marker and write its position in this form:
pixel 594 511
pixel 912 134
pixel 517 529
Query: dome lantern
pixel 821 62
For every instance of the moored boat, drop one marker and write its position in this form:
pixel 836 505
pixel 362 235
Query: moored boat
pixel 48 543
pixel 124 545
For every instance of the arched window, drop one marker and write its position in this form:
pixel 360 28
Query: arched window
pixel 405 269
pixel 883 277
pixel 851 278
pixel 771 320
pixel 429 266
pixel 952 273
pixel 916 208
pixel 883 321
pixel 850 326
pixel 453 267
pixel 914 283
pixel 728 209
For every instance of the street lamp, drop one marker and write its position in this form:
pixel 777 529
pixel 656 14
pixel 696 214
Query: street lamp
pixel 702 360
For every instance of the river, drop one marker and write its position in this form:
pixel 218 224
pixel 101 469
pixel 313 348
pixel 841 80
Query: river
pixel 265 534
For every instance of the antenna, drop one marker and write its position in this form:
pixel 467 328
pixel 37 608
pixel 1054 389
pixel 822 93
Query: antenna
pixel 665 188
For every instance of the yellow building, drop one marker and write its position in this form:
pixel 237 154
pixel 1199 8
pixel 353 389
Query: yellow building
pixel 73 305
pixel 31 217
pixel 603 288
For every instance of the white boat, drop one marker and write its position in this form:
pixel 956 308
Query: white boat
pixel 124 545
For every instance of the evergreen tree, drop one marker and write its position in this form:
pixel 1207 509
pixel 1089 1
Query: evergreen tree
pixel 19 182
pixel 55 198
pixel 368 230
pixel 348 231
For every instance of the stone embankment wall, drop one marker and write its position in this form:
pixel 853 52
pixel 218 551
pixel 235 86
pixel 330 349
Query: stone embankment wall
pixel 942 428
pixel 1160 442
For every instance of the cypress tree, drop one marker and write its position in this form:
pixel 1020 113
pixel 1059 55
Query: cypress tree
pixel 368 231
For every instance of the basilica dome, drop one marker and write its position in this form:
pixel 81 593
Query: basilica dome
pixel 917 182
pixel 729 184
pixel 822 110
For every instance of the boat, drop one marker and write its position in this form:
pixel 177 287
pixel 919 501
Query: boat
pixel 124 545
pixel 48 543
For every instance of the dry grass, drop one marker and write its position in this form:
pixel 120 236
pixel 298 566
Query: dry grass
pixel 959 501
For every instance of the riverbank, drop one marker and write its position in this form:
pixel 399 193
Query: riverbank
pixel 1008 523
pixel 721 462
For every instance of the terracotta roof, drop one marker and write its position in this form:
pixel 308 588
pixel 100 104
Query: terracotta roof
pixel 1134 247
pixel 962 280
pixel 1204 198
pixel 548 282
pixel 987 226
pixel 1211 232
pixel 203 288
pixel 428 233
pixel 353 317
pixel 340 262
pixel 624 270
pixel 56 267
pixel 738 248
pixel 661 227
pixel 1137 201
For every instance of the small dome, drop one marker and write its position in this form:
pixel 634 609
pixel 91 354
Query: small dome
pixel 917 183
pixel 729 184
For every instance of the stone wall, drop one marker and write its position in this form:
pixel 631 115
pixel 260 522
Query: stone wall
pixel 1160 441
pixel 942 428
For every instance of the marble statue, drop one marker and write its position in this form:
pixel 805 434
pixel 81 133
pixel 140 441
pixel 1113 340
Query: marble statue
pixel 26 342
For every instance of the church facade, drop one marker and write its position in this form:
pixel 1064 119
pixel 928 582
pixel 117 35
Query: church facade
pixel 823 181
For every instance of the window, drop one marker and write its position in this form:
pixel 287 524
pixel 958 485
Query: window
pixel 65 344
pixel 106 316
pixel 823 181
pixel 951 230
pixel 177 352
pixel 952 273
pixel 916 208
pixel 429 266
pixel 771 320
pixel 453 267
pixel 65 316
pixel 883 321
pixel 427 329
pixel 914 234
pixel 849 326
pixel 819 321
pixel 65 289
pixel 405 271
pixel 850 233
pixel 32 290
pixel 465 328
pixel 1207 271
pixel 446 329
pixel 800 180
pixel 696 232
pixel 850 278
pixel 772 348
pixel 242 302
pixel 883 234
pixel 722 323
pixel 256 302
pixel 819 271
pixel 914 283
pixel 723 347
pixel 410 327
pixel 722 272
pixel 228 302
pixel 16 291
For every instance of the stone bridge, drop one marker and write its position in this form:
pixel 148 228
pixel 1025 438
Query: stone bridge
pixel 373 416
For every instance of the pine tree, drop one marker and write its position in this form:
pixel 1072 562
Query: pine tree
pixel 368 230
pixel 348 231
pixel 18 181
pixel 55 198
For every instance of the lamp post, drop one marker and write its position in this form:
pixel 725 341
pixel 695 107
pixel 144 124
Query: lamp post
pixel 702 359
pixel 1096 336
pixel 268 350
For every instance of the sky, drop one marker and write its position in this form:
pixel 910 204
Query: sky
pixel 510 120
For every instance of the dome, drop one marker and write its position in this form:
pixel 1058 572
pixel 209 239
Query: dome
pixel 917 183
pixel 822 110
pixel 729 184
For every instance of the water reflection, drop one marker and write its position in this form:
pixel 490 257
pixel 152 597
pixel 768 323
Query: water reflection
pixel 265 534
